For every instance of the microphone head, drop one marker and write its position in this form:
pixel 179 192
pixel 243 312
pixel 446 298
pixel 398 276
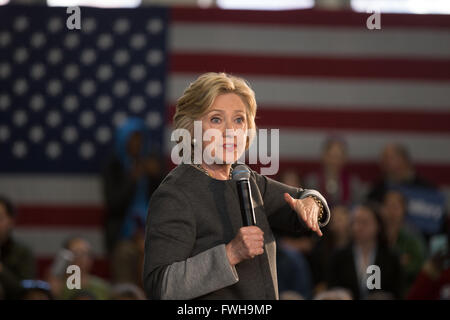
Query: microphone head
pixel 240 172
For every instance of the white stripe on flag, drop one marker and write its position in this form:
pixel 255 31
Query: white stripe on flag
pixel 316 41
pixel 360 94
pixel 52 189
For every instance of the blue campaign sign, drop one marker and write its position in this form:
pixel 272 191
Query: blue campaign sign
pixel 426 208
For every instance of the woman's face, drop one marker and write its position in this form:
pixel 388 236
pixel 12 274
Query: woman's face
pixel 6 223
pixel 393 209
pixel 224 129
pixel 340 223
pixel 335 156
pixel 82 254
pixel 364 225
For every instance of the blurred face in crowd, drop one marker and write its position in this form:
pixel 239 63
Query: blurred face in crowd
pixel 364 225
pixel 393 209
pixel 393 162
pixel 340 221
pixel 82 254
pixel 228 111
pixel 36 295
pixel 134 144
pixel 291 178
pixel 6 223
pixel 334 156
pixel 153 166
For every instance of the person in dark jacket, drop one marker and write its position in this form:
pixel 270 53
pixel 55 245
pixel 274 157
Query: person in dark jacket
pixel 352 266
pixel 196 245
pixel 16 260
pixel 129 178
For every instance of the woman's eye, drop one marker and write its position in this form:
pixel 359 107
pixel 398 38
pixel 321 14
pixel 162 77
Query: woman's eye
pixel 240 120
pixel 215 120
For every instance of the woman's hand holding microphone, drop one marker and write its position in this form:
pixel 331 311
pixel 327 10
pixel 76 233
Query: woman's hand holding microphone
pixel 248 243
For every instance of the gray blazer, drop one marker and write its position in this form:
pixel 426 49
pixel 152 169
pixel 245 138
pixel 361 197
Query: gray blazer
pixel 191 217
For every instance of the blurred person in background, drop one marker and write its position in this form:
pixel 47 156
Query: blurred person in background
pixel 76 251
pixel 409 245
pixel 426 204
pixel 127 260
pixel 337 238
pixel 127 291
pixel 333 178
pixel 334 294
pixel 36 290
pixel 16 260
pixel 348 268
pixel 294 274
pixel 291 295
pixel 129 178
pixel 433 281
pixel 291 177
pixel 397 169
pixel 81 295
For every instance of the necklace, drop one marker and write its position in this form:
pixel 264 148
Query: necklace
pixel 199 167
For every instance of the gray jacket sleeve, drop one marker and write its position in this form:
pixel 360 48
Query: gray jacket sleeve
pixel 194 277
pixel 170 272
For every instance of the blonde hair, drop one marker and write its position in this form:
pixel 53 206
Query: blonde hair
pixel 200 95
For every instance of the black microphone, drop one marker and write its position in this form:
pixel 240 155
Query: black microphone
pixel 241 175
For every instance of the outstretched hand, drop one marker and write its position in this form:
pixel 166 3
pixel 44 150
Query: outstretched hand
pixel 307 209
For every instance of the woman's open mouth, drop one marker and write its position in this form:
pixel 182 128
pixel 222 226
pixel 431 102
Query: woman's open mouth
pixel 229 146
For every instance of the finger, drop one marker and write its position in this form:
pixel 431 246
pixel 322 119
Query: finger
pixel 319 232
pixel 314 216
pixel 317 229
pixel 304 217
pixel 305 214
pixel 257 252
pixel 253 230
pixel 254 239
pixel 312 220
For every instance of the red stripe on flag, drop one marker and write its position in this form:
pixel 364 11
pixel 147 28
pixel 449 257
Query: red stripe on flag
pixel 385 68
pixel 309 117
pixel 306 18
pixel 60 215
pixel 438 174
pixel 396 121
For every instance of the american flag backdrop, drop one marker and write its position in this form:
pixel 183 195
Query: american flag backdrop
pixel 314 73
pixel 63 94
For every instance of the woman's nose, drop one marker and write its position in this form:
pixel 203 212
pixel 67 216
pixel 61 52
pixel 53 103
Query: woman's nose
pixel 229 128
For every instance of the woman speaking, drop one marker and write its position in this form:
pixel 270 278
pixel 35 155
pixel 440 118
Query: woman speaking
pixel 196 246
